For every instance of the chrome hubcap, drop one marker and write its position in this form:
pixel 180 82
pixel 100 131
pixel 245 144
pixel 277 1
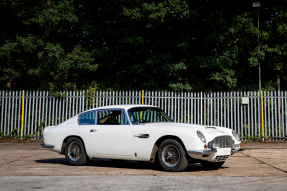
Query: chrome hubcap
pixel 170 155
pixel 74 151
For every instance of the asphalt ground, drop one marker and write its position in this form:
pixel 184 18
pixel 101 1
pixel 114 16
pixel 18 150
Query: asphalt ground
pixel 261 166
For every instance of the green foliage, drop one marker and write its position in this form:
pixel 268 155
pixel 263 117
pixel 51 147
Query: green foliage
pixel 178 45
pixel 257 138
pixel 14 134
pixel 58 94
pixel 90 95
pixel 43 57
pixel 40 127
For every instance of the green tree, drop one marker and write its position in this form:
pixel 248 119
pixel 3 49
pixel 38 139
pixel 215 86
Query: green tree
pixel 274 44
pixel 178 45
pixel 36 51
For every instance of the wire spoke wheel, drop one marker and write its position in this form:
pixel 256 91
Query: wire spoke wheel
pixel 170 155
pixel 74 151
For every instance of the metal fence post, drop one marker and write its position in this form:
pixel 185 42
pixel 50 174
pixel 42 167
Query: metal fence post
pixel 262 122
pixel 22 117
pixel 142 97
pixel 201 108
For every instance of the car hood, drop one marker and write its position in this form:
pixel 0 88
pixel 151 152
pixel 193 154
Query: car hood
pixel 207 130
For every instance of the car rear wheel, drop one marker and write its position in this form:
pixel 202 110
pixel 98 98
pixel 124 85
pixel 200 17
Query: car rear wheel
pixel 171 156
pixel 75 152
pixel 212 165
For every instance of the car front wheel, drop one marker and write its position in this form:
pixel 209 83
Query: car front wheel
pixel 212 165
pixel 75 152
pixel 171 156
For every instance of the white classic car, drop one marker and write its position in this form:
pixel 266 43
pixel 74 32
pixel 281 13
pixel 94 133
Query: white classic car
pixel 141 133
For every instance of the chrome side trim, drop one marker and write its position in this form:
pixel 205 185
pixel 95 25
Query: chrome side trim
pixel 48 146
pixel 202 152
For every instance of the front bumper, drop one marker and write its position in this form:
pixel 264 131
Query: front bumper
pixel 212 155
pixel 47 146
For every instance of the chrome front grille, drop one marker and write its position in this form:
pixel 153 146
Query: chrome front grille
pixel 221 142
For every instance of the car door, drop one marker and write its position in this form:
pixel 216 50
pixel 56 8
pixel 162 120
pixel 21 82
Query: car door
pixel 112 134
pixel 144 138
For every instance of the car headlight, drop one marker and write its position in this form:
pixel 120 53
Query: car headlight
pixel 235 135
pixel 201 136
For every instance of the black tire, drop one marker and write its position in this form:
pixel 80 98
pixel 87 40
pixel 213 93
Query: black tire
pixel 212 165
pixel 171 156
pixel 75 152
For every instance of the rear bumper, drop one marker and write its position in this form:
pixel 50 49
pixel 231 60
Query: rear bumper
pixel 47 146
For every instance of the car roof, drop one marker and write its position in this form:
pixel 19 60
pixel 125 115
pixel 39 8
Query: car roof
pixel 126 107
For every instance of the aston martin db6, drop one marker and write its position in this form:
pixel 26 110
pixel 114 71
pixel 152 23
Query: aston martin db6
pixel 140 133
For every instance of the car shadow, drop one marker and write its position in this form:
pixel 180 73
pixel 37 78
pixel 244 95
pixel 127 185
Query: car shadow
pixel 54 161
pixel 122 164
pixel 126 164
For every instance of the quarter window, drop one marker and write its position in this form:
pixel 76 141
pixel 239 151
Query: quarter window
pixel 87 118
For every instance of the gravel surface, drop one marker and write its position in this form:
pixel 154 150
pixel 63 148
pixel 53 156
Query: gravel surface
pixel 266 159
pixel 142 183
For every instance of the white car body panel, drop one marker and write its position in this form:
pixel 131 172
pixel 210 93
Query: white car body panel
pixel 118 140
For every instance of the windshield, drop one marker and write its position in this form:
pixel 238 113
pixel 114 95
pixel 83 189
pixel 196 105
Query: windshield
pixel 147 115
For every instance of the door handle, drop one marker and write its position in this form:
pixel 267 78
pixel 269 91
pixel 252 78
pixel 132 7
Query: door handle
pixel 93 130
pixel 142 136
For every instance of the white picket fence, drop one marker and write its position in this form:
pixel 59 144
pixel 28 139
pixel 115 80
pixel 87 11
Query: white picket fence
pixel 225 109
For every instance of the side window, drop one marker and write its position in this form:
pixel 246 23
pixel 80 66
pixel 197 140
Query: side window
pixel 87 118
pixel 125 120
pixel 132 117
pixel 112 117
